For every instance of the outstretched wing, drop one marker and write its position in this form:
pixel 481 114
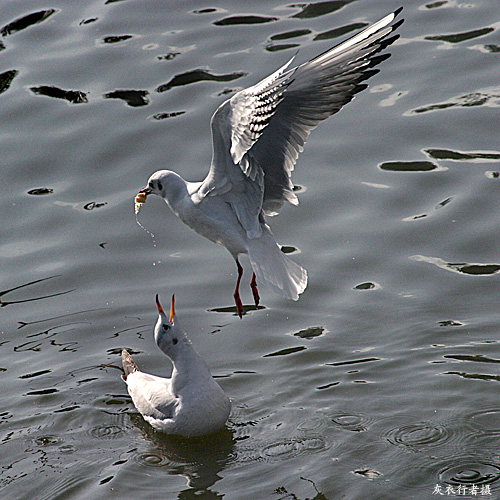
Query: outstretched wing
pixel 259 132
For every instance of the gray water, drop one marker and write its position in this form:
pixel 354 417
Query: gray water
pixel 379 383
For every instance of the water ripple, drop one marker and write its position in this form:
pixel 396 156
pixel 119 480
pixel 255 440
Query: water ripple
pixel 133 98
pixel 311 332
pixel 489 97
pixel 285 352
pixel 40 191
pixel 338 32
pixel 72 96
pixel 486 421
pixel 409 166
pixel 462 267
pixel 290 34
pixel 151 459
pixel 116 38
pixel 469 472
pixel 272 47
pixel 463 156
pixel 26 21
pixel 368 285
pixel 106 431
pixel 47 440
pixel 457 474
pixel 317 9
pixel 440 205
pixel 4 303
pixel 419 436
pixel 283 449
pixel 294 447
pixel 355 422
pixel 197 75
pixel 461 37
pixel 6 79
pixel 236 20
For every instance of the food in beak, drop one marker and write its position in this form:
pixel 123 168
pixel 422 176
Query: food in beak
pixel 140 199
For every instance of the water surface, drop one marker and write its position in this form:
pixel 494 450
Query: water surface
pixel 380 382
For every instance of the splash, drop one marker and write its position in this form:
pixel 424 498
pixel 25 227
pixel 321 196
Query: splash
pixel 139 201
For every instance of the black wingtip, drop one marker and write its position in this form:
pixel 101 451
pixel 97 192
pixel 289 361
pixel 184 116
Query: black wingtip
pixel 395 26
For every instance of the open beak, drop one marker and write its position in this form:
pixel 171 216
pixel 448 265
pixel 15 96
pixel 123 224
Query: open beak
pixel 172 308
pixel 145 191
pixel 172 311
pixel 158 305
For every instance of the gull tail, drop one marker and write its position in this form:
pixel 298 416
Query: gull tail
pixel 273 267
pixel 129 365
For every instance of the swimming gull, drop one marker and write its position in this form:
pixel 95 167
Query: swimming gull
pixel 257 136
pixel 190 403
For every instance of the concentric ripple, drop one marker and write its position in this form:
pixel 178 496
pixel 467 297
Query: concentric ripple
pixel 487 421
pixel 419 436
pixel 280 450
pixel 293 447
pixel 470 473
pixel 351 422
pixel 106 431
pixel 151 459
pixel 458 474
pixel 47 440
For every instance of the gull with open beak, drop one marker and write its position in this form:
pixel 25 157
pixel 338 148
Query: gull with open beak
pixel 257 136
pixel 189 403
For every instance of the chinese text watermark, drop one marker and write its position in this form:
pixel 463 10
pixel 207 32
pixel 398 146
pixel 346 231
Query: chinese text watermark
pixel 473 489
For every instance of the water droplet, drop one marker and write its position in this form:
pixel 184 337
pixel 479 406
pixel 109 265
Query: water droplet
pixel 47 440
pixel 151 459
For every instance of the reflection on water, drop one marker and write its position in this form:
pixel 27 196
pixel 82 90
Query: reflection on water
pixel 72 96
pixel 462 268
pixel 489 97
pixel 26 21
pixel 198 75
pixel 200 460
pixel 378 383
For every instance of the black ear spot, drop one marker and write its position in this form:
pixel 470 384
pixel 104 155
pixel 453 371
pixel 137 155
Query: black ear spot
pixel 174 341
pixel 160 187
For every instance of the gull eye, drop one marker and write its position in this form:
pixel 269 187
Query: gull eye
pixel 160 187
pixel 174 341
pixel 151 185
pixel 166 327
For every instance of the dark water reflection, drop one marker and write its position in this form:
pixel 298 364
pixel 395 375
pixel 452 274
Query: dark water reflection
pixel 379 383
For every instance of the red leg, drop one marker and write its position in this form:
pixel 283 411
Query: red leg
pixel 255 292
pixel 236 294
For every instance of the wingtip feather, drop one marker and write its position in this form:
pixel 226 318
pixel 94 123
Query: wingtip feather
pixel 129 365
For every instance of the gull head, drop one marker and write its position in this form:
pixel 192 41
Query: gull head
pixel 158 182
pixel 168 185
pixel 156 185
pixel 169 335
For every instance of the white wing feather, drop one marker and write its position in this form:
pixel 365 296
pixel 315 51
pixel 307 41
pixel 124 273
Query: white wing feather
pixel 258 133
